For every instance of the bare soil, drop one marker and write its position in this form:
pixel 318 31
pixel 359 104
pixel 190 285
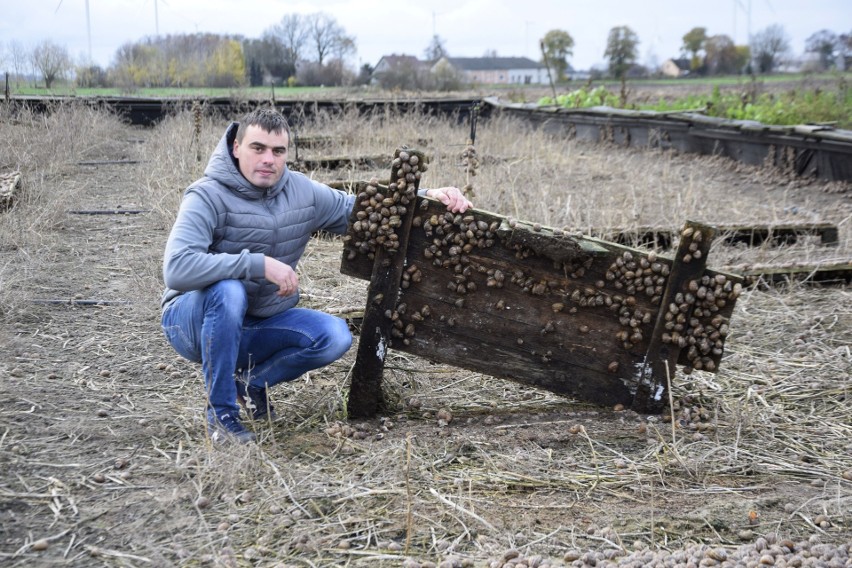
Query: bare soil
pixel 104 459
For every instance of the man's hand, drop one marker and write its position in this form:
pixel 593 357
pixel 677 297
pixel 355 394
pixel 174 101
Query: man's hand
pixel 452 197
pixel 281 274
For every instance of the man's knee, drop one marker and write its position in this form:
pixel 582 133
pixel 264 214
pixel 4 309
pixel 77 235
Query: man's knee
pixel 338 339
pixel 228 297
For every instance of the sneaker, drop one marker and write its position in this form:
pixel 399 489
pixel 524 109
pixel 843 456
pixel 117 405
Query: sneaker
pixel 256 402
pixel 227 428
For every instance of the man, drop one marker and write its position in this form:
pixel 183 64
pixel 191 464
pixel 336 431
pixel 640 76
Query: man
pixel 230 272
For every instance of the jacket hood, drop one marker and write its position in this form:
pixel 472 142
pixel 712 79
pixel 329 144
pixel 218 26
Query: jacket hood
pixel 223 168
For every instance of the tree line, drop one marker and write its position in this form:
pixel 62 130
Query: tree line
pixel 300 49
pixel 707 54
pixel 312 50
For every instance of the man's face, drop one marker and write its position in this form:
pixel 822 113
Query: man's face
pixel 262 156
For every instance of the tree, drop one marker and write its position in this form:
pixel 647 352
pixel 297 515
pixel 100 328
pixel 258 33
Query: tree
pixel 621 50
pixel 844 51
pixel 693 42
pixel 435 50
pixel 446 77
pixel 767 47
pixel 326 36
pixel 291 33
pixel 825 44
pixel 52 61
pixel 742 58
pixel 721 55
pixel 269 59
pixel 18 55
pixel 225 67
pixel 557 46
pixel 365 75
pixel 90 76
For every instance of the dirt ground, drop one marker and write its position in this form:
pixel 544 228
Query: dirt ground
pixel 104 460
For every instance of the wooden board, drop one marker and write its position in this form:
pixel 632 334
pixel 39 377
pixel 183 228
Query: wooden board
pixel 570 314
pixel 10 184
pixel 662 238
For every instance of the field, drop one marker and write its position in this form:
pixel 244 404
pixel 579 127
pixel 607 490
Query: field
pixel 103 455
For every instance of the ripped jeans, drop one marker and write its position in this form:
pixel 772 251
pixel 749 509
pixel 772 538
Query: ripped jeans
pixel 210 326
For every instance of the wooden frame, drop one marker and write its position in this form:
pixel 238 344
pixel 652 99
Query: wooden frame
pixel 578 316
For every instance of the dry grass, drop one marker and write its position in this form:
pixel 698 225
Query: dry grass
pixel 101 424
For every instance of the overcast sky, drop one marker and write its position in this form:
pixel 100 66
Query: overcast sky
pixel 467 27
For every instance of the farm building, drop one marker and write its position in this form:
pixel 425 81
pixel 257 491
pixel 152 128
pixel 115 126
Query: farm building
pixel 498 70
pixel 398 65
pixel 675 67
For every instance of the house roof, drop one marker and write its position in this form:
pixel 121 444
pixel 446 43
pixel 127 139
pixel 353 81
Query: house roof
pixel 493 63
pixel 400 58
pixel 393 61
pixel 683 64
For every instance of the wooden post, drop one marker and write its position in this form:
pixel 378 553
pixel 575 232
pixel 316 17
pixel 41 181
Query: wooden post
pixel 365 395
pixel 667 340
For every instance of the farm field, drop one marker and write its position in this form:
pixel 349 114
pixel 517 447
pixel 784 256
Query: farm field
pixel 103 455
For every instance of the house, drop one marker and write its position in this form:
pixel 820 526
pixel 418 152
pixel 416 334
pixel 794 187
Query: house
pixel 498 70
pixel 675 67
pixel 398 65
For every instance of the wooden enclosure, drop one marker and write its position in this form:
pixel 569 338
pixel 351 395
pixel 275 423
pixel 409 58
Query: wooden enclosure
pixel 578 316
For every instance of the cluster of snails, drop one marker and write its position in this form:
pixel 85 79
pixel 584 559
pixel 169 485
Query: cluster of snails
pixel 695 237
pixel 691 320
pixel 470 161
pixel 530 285
pixel 635 276
pixel 703 333
pixel 380 211
pixel 453 236
pixel 690 414
pixel 399 328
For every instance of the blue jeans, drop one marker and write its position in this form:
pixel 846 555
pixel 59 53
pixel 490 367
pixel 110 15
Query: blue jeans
pixel 210 326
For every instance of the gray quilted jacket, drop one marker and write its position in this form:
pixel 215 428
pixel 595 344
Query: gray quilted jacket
pixel 226 225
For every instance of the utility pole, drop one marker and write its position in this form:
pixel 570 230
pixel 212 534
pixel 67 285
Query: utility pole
pixel 156 20
pixel 527 37
pixel 89 31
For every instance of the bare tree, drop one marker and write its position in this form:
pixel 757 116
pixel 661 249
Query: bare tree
pixel 3 57
pixel 824 43
pixel 327 37
pixel 18 55
pixel 436 49
pixel 844 49
pixel 52 61
pixel 767 47
pixel 292 32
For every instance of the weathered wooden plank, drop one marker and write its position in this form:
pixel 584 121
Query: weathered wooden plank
pixel 571 314
pixel 393 212
pixel 662 238
pixel 10 185
pixel 340 162
pixel 820 152
pixel 663 349
pixel 766 275
pixel 108 211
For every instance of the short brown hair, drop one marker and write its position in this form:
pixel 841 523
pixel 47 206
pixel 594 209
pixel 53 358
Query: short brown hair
pixel 269 120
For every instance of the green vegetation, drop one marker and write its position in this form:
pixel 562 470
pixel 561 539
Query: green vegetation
pixel 796 106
